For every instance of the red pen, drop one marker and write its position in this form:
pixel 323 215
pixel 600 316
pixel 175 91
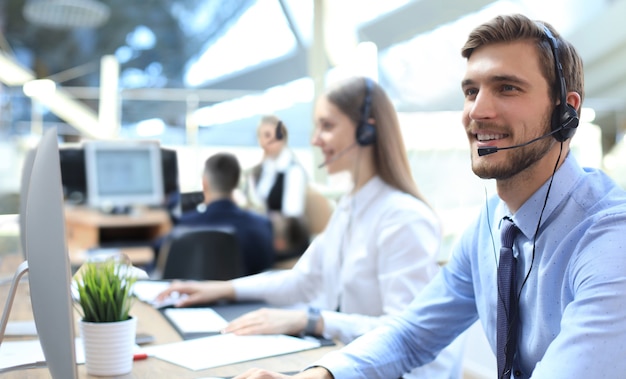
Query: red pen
pixel 139 356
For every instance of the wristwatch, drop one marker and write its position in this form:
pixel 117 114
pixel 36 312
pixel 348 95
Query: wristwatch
pixel 313 318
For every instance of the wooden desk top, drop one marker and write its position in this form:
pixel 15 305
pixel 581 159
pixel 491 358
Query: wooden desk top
pixel 152 322
pixel 83 225
pixel 139 256
pixel 88 216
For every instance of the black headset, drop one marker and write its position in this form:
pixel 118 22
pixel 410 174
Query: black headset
pixel 564 117
pixel 365 131
pixel 280 130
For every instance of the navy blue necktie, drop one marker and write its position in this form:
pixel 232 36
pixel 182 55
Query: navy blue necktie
pixel 507 301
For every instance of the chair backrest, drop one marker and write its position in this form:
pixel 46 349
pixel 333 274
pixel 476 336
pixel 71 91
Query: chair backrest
pixel 201 254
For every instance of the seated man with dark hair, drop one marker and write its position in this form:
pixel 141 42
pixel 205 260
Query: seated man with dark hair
pixel 253 231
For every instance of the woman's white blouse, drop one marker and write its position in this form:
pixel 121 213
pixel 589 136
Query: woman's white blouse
pixel 377 252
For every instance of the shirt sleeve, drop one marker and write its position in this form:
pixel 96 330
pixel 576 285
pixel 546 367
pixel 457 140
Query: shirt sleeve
pixel 406 341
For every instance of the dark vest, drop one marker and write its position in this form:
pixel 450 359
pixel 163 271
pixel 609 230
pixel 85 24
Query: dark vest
pixel 295 230
pixel 274 200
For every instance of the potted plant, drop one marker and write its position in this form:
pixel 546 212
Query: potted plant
pixel 104 298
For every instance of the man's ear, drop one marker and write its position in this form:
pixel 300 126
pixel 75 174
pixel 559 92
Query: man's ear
pixel 573 99
pixel 206 186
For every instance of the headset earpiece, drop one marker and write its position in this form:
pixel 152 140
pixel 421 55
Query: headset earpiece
pixel 565 121
pixel 280 134
pixel 366 131
pixel 564 117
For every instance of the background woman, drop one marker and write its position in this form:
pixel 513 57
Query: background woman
pixel 277 186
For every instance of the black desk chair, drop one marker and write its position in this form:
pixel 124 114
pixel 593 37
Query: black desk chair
pixel 200 253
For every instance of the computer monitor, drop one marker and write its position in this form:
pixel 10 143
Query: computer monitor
pixel 123 174
pixel 49 271
pixel 169 166
pixel 27 168
pixel 74 177
pixel 171 187
pixel 73 174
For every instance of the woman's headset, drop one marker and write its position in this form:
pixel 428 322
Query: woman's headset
pixel 365 131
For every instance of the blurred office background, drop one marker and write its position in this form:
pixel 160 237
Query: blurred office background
pixel 196 75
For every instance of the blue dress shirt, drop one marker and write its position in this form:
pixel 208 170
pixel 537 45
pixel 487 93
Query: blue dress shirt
pixel 572 305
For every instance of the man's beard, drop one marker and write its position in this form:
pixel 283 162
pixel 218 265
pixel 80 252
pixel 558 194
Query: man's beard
pixel 520 158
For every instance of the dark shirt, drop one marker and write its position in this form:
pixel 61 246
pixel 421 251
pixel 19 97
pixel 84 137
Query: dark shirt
pixel 254 232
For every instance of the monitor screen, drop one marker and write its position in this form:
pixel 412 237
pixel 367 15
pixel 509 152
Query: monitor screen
pixel 123 173
pixel 73 175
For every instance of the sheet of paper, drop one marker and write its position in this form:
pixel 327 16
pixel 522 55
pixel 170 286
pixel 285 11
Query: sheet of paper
pixel 224 349
pixel 21 328
pixel 18 353
pixel 196 320
pixel 147 290
pixel 27 353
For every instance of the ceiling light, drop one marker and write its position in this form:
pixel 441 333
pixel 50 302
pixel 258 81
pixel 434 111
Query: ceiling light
pixel 66 14
pixel 12 73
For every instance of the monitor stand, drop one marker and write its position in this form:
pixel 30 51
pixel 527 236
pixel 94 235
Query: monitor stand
pixel 21 270
pixel 117 210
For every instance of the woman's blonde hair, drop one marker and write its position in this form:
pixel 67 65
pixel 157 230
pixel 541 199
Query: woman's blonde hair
pixel 274 120
pixel 390 159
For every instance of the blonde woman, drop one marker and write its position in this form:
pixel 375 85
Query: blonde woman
pixel 277 186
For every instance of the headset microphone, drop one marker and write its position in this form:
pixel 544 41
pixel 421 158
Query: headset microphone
pixel 338 155
pixel 494 149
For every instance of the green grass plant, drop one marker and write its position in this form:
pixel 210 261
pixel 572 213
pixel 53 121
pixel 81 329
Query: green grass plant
pixel 105 290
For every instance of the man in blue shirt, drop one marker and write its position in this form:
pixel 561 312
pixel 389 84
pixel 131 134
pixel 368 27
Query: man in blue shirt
pixel 254 232
pixel 519 114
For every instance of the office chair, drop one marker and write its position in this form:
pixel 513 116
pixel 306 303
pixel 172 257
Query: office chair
pixel 318 210
pixel 200 253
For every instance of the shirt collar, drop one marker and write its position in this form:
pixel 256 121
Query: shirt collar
pixel 363 197
pixel 220 204
pixel 528 214
pixel 280 163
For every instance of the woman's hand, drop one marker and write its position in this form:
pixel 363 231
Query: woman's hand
pixel 269 321
pixel 196 292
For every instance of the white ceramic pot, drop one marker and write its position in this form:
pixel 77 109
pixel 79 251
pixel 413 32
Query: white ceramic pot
pixel 109 346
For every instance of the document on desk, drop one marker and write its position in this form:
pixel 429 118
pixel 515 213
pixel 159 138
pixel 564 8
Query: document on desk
pixel 20 328
pixel 195 320
pixel 225 349
pixel 25 354
pixel 147 290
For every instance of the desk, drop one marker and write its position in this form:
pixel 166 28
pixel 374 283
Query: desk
pixel 152 322
pixel 88 228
